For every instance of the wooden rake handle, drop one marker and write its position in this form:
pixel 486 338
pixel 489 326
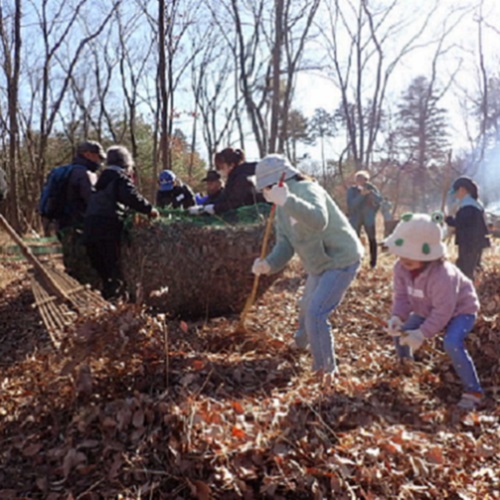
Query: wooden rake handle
pixel 263 251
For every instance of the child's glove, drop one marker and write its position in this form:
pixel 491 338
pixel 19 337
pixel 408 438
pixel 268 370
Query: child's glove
pixel 261 266
pixel 394 326
pixel 277 194
pixel 154 214
pixel 413 339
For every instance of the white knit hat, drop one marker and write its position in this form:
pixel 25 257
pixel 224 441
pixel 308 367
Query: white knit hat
pixel 270 169
pixel 418 237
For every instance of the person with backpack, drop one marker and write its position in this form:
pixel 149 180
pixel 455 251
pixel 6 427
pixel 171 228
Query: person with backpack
pixel 63 202
pixel 363 203
pixel 114 194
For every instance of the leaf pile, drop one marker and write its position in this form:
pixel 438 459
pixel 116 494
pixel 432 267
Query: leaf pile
pixel 140 406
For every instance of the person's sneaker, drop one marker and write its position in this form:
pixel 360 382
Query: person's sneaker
pixel 470 400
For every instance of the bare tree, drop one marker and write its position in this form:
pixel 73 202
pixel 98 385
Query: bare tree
pixel 362 72
pixel 54 34
pixel 11 48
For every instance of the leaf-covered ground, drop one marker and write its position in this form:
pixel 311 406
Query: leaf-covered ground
pixel 136 406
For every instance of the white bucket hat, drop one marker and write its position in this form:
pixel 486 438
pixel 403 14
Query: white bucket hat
pixel 418 237
pixel 270 169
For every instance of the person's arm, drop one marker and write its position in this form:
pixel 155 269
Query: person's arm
pixel 282 251
pixel 442 289
pixel 401 306
pixel 128 195
pixel 309 209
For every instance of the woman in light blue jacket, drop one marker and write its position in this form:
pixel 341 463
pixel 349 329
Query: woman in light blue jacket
pixel 309 223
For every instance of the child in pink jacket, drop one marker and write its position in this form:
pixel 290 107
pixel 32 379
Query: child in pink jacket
pixel 432 295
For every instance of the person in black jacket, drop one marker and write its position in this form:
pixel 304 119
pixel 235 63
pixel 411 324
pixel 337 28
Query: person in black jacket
pixel 471 231
pixel 172 192
pixel 114 193
pixel 215 189
pixel 239 189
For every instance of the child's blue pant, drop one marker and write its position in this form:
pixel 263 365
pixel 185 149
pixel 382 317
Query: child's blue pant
pixel 453 342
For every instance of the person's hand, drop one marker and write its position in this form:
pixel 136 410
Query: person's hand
pixel 195 210
pixel 277 194
pixel 413 339
pixel 394 326
pixel 209 209
pixel 154 214
pixel 261 266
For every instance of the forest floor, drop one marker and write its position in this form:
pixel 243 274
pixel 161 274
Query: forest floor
pixel 138 406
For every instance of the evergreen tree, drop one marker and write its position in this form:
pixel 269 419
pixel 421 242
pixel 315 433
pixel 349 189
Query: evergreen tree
pixel 423 134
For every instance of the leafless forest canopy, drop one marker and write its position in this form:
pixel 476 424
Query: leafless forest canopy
pixel 177 80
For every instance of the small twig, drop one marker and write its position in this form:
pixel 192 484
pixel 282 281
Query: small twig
pixel 165 352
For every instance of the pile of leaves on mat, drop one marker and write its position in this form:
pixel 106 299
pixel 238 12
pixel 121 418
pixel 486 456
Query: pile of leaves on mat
pixel 196 266
pixel 142 406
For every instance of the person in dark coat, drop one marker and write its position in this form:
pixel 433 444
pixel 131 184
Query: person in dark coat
pixel 81 180
pixel 69 226
pixel 114 194
pixel 172 192
pixel 239 189
pixel 363 202
pixel 471 231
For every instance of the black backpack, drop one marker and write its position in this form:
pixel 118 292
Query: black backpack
pixel 53 198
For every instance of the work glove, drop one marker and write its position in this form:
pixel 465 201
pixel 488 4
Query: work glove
pixel 277 194
pixel 201 209
pixel 196 210
pixel 394 326
pixel 261 266
pixel 154 214
pixel 413 339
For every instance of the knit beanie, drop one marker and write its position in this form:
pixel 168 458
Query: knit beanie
pixel 418 237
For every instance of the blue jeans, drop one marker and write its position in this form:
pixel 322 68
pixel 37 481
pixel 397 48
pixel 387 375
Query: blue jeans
pixel 322 294
pixel 453 342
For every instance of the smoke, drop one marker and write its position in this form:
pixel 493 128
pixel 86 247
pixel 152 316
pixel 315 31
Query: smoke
pixel 488 178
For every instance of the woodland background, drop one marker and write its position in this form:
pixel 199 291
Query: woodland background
pixel 415 94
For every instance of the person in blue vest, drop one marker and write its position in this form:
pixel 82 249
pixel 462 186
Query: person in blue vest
pixel 172 192
pixel 363 203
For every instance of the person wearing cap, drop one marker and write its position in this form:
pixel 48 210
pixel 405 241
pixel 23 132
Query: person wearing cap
pixel 215 188
pixel 432 295
pixel 239 188
pixel 77 192
pixel 115 194
pixel 309 223
pixel 172 192
pixel 81 180
pixel 471 230
pixel 363 203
